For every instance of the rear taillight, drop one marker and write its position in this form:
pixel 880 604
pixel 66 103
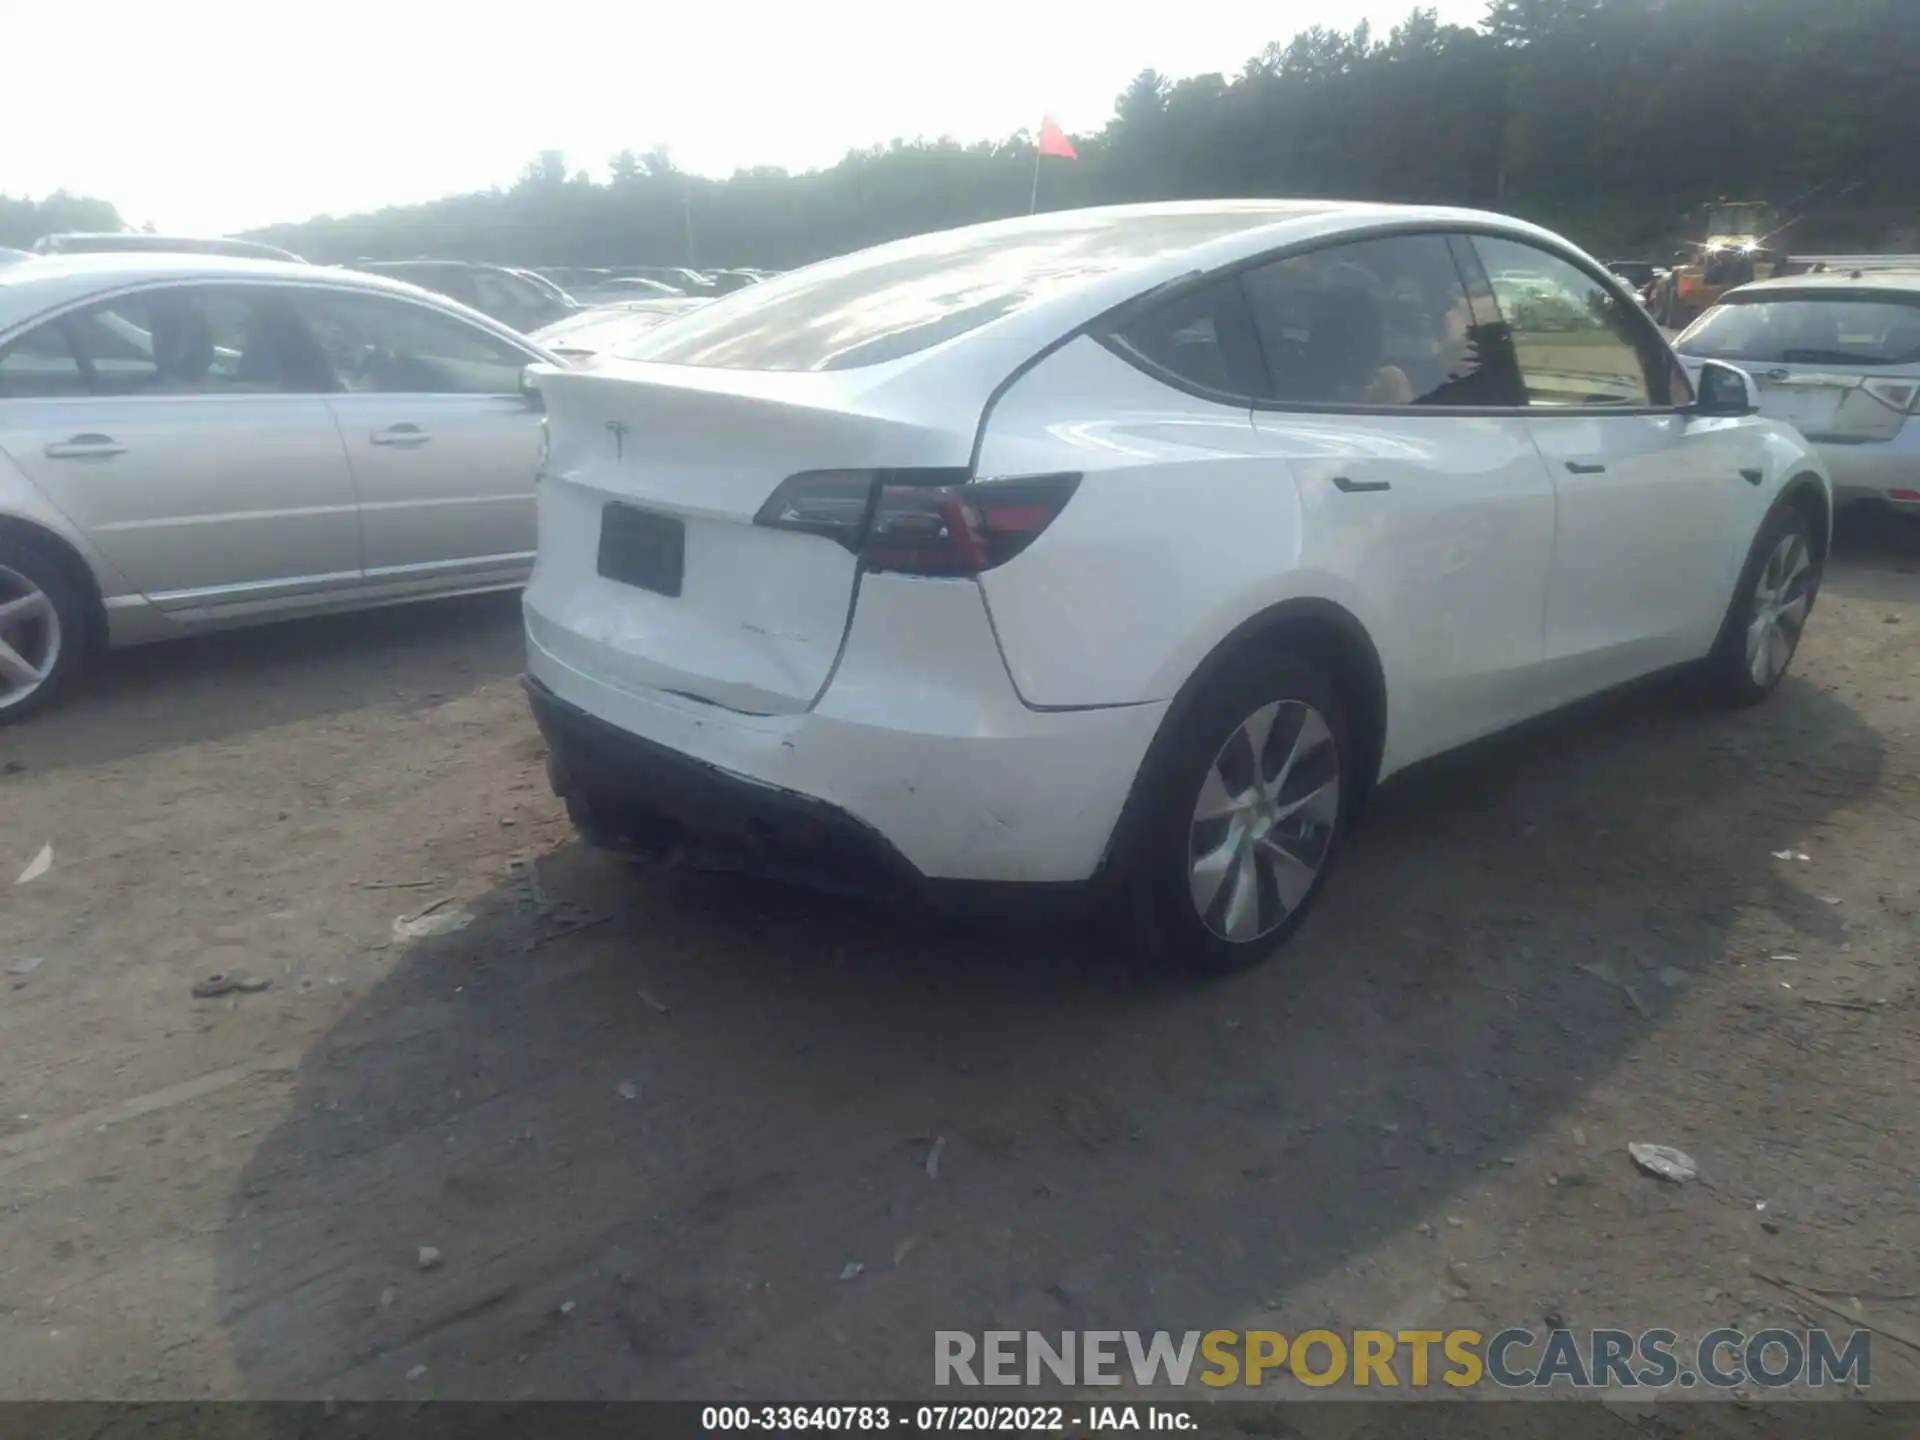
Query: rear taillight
pixel 1901 395
pixel 920 522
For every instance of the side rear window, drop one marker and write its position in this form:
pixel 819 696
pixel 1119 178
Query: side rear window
pixel 1202 339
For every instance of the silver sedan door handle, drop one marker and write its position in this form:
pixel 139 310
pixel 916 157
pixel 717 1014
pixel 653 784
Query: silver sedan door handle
pixel 85 447
pixel 406 437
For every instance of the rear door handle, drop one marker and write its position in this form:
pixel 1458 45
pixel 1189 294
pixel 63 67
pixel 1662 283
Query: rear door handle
pixel 1578 469
pixel 403 436
pixel 1753 477
pixel 85 447
pixel 1359 487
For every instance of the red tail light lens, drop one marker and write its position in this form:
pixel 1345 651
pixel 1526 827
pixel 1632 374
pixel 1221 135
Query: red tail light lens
pixel 920 522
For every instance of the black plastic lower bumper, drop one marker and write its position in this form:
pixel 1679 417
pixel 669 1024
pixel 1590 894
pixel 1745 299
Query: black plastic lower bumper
pixel 631 794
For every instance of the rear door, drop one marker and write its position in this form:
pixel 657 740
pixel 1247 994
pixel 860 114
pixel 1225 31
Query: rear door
pixel 1652 506
pixel 181 429
pixel 442 443
pixel 1418 476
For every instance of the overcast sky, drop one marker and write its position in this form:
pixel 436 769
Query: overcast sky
pixel 210 115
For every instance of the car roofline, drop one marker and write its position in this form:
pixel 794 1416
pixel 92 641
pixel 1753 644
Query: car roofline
pixel 978 361
pixel 1012 340
pixel 59 285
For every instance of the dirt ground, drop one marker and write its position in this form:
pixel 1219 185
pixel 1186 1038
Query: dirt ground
pixel 651 1123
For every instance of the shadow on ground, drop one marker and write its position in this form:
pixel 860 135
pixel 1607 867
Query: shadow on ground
pixel 226 685
pixel 691 1150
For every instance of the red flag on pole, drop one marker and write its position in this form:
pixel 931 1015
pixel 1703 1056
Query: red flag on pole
pixel 1053 141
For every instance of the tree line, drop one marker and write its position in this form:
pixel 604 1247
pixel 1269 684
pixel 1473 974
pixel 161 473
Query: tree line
pixel 1609 119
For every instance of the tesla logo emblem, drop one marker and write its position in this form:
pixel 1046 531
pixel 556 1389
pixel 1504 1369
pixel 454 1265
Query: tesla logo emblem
pixel 619 433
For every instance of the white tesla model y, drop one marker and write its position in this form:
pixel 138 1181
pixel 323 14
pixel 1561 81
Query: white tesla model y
pixel 1129 548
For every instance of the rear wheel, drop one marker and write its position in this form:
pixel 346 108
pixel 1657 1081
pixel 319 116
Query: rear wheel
pixel 1243 817
pixel 1769 611
pixel 43 628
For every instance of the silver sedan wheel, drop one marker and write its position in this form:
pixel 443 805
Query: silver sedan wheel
pixel 1264 821
pixel 29 637
pixel 1781 599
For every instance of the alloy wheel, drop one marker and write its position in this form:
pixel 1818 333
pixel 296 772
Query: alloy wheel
pixel 29 637
pixel 1781 599
pixel 1264 821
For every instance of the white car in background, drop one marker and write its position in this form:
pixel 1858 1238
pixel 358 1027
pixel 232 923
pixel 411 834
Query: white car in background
pixel 589 333
pixel 190 441
pixel 1837 356
pixel 1130 548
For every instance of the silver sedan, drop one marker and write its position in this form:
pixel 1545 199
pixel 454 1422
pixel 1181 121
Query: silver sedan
pixel 190 441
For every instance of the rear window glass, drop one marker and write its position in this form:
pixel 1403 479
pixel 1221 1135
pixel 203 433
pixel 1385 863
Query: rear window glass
pixel 1809 330
pixel 896 299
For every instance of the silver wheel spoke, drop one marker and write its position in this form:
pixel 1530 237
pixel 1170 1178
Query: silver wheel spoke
pixel 33 606
pixel 1770 576
pixel 1292 874
pixel 1779 651
pixel 1241 919
pixel 1258 729
pixel 1216 802
pixel 1793 563
pixel 1209 871
pixel 1321 803
pixel 15 669
pixel 1757 648
pixel 29 637
pixel 1762 657
pixel 1313 733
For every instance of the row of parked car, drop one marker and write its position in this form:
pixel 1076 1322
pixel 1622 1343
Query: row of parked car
pixel 525 298
pixel 1128 567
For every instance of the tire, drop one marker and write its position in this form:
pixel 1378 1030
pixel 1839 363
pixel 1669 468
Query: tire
pixel 1237 911
pixel 1768 612
pixel 43 623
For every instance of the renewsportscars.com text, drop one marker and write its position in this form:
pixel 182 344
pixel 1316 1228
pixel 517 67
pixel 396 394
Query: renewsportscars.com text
pixel 1411 1359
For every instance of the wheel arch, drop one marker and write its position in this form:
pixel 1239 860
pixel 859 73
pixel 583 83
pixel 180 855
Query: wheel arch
pixel 1806 493
pixel 1319 630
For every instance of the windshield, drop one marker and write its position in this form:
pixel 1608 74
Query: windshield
pixel 1809 329
pixel 897 299
pixel 1733 219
